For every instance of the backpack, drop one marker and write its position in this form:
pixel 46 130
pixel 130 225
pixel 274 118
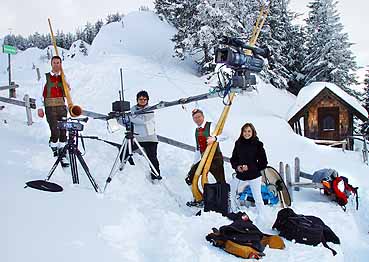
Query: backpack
pixel 309 230
pixel 268 196
pixel 216 198
pixel 336 187
pixel 242 238
pixel 340 190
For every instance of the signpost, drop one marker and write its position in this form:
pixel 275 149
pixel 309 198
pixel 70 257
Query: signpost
pixel 10 50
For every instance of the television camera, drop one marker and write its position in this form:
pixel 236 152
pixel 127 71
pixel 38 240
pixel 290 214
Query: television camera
pixel 72 124
pixel 243 59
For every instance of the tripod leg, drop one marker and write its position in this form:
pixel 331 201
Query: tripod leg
pixel 129 157
pixel 73 165
pixel 87 171
pixel 156 173
pixel 56 163
pixel 123 149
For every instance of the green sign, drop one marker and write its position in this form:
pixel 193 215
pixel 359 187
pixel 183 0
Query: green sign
pixel 8 49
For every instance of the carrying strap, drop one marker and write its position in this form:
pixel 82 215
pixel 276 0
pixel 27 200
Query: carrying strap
pixel 309 223
pixel 324 242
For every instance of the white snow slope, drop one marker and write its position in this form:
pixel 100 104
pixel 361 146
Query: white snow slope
pixel 135 220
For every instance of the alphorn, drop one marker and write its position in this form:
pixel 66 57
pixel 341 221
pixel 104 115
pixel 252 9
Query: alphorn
pixel 74 110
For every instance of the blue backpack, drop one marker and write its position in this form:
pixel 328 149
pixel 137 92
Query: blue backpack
pixel 269 197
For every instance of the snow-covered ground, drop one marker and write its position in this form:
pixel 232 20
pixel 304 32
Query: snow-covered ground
pixel 135 220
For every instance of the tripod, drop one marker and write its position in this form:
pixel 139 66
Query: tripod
pixel 72 148
pixel 126 147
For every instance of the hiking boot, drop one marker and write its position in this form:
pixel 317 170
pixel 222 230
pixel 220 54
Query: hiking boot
pixel 55 151
pixel 188 180
pixel 195 204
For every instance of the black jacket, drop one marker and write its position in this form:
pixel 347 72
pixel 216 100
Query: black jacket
pixel 249 152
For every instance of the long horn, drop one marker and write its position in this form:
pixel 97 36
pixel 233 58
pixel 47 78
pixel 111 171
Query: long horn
pixel 74 110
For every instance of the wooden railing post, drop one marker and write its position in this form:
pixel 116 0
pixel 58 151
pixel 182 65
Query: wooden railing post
pixel 281 169
pixel 38 74
pixel 28 109
pixel 297 173
pixel 288 181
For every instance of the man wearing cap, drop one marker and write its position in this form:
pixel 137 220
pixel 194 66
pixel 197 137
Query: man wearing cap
pixel 203 138
pixel 144 127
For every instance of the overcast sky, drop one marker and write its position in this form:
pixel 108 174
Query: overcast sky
pixel 26 17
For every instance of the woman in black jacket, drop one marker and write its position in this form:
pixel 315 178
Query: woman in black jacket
pixel 248 159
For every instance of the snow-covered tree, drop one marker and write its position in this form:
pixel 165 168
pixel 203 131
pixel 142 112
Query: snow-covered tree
pixel 286 43
pixel 114 18
pixel 98 26
pixel 69 39
pixel 89 33
pixel 329 57
pixel 83 49
pixel 60 39
pixel 10 40
pixel 144 8
pixel 201 24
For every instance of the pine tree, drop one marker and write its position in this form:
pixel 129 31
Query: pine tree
pixel 69 39
pixel 114 18
pixel 82 48
pixel 201 24
pixel 98 26
pixel 10 40
pixel 172 10
pixel 144 8
pixel 88 33
pixel 60 39
pixel 79 34
pixel 329 57
pixel 285 41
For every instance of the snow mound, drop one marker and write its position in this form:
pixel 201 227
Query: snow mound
pixel 136 34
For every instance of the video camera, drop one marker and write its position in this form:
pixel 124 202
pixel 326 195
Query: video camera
pixel 72 124
pixel 232 53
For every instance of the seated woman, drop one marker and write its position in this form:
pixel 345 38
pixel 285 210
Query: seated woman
pixel 248 159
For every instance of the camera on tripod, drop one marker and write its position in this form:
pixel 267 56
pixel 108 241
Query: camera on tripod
pixel 72 124
pixel 233 53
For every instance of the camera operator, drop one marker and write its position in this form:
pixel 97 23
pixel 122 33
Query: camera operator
pixel 53 100
pixel 144 127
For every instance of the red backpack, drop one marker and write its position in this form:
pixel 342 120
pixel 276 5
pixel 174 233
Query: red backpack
pixel 339 188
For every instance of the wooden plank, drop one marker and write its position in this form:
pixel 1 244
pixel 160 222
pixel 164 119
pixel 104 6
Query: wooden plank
pixel 18 102
pixel 306 175
pixel 8 87
pixel 329 142
pixel 162 139
pixel 12 101
pixel 308 185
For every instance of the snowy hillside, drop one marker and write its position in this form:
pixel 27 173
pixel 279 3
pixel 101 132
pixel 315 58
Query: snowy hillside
pixel 135 220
